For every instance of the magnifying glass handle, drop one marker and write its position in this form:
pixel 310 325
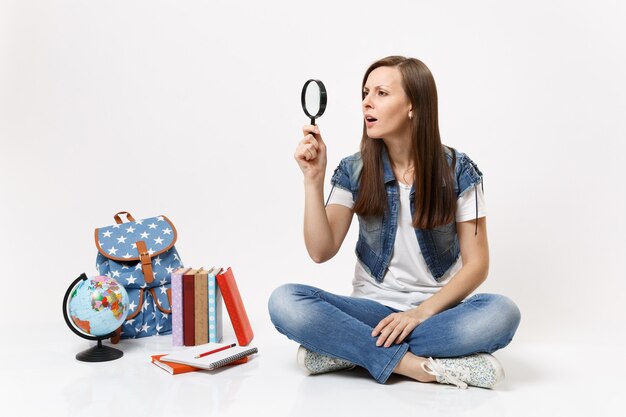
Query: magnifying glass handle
pixel 313 121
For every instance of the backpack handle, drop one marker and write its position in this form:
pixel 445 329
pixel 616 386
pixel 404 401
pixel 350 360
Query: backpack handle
pixel 129 217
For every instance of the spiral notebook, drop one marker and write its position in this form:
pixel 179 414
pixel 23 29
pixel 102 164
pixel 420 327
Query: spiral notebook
pixel 211 361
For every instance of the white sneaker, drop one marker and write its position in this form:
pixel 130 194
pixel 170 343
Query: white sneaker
pixel 479 370
pixel 314 363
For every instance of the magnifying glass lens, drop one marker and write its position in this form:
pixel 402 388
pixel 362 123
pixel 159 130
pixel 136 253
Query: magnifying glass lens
pixel 313 99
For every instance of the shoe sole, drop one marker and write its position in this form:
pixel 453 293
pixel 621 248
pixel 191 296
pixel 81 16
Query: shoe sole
pixel 300 358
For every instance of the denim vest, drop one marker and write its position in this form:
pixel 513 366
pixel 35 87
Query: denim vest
pixel 377 235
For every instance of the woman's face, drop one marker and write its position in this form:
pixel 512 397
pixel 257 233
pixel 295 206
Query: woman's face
pixel 386 107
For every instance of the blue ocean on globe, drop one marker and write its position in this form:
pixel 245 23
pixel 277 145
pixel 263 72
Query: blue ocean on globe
pixel 98 306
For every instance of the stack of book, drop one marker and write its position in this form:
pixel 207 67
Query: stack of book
pixel 197 296
pixel 196 302
pixel 209 356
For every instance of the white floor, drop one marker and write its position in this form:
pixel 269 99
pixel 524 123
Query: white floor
pixel 44 377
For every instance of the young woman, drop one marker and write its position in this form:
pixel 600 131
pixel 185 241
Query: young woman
pixel 421 250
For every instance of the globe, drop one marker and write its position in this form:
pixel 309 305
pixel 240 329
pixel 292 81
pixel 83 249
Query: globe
pixel 93 309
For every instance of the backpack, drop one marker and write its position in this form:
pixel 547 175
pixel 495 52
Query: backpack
pixel 141 256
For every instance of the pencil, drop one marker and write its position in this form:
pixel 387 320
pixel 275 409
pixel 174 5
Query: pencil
pixel 215 351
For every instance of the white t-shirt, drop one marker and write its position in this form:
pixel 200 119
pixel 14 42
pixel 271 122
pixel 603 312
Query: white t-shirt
pixel 408 281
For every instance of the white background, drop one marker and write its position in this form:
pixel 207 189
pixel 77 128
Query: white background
pixel 191 109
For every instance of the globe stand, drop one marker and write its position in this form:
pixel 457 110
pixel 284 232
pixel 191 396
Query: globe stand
pixel 99 353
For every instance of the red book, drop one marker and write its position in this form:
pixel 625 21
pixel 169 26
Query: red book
pixel 234 305
pixel 189 313
pixel 171 367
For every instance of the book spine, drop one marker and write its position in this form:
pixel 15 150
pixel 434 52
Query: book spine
pixel 172 367
pixel 163 366
pixel 219 307
pixel 177 309
pixel 201 313
pixel 189 330
pixel 234 306
pixel 215 310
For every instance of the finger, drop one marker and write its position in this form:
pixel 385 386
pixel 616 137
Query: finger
pixel 310 139
pixel 384 334
pixel 304 146
pixel 381 325
pixel 302 154
pixel 311 129
pixel 382 339
pixel 318 136
pixel 306 154
pixel 314 131
pixel 311 149
pixel 407 331
pixel 394 335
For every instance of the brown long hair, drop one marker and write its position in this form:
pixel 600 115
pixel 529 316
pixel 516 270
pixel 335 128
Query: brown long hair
pixel 435 201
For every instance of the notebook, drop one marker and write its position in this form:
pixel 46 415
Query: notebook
pixel 212 361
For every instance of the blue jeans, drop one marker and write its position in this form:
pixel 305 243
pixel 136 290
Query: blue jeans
pixel 341 326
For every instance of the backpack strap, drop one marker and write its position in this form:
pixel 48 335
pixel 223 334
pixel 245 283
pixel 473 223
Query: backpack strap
pixel 138 309
pixel 146 262
pixel 158 303
pixel 129 217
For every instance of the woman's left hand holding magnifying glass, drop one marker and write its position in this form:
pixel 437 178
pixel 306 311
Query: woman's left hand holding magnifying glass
pixel 311 151
pixel 311 154
pixel 319 237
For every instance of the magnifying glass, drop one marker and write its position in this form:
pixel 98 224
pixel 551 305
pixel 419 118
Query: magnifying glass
pixel 313 99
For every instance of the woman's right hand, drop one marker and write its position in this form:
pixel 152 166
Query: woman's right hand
pixel 311 154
